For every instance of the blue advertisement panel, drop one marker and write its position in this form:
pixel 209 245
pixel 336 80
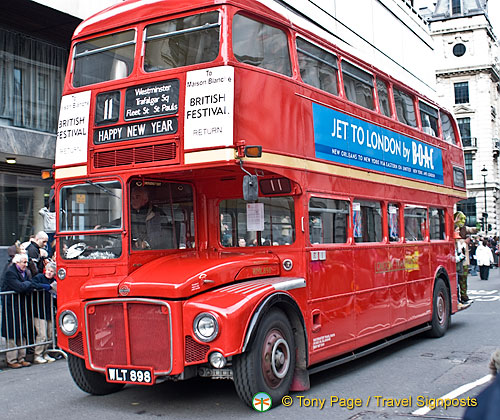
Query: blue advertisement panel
pixel 345 139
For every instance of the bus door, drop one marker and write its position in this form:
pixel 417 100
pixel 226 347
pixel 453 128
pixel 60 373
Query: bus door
pixel 417 262
pixel 372 291
pixel 330 269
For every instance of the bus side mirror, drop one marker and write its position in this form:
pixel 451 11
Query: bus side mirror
pixel 250 188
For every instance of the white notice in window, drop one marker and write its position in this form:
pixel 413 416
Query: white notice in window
pixel 255 217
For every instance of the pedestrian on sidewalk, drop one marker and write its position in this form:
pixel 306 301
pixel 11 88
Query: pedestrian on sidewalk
pixel 484 259
pixel 472 258
pixel 463 253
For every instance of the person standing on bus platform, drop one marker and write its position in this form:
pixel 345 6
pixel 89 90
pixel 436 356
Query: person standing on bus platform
pixel 148 223
pixel 484 259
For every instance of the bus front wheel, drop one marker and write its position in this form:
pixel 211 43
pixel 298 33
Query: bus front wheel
pixel 440 310
pixel 89 381
pixel 270 363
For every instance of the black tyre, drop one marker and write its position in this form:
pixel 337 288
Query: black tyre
pixel 440 310
pixel 268 366
pixel 88 380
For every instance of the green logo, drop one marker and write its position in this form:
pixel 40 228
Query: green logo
pixel 262 401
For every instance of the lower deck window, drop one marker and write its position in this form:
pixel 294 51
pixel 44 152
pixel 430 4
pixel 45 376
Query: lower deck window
pixel 437 224
pixel 328 220
pixel 367 221
pixel 415 223
pixel 269 222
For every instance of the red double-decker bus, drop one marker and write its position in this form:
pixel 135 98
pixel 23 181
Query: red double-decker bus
pixel 239 198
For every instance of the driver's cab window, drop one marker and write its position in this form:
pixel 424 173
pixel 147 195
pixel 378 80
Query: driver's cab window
pixel 161 215
pixel 269 222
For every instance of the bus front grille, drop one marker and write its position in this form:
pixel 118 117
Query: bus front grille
pixel 129 333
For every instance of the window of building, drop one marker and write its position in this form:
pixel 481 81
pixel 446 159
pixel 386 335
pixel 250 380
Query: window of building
pixel 464 127
pixel 461 92
pixel 383 98
pixel 261 45
pixel 393 222
pixel 182 42
pixel 358 85
pixel 366 221
pixel 108 57
pixel 447 127
pixel 456 7
pixel 31 82
pixel 468 166
pixel 436 224
pixel 328 220
pixel 468 207
pixel 429 117
pixel 21 197
pixel 405 108
pixel 318 67
pixel 269 222
pixel 415 223
pixel 459 50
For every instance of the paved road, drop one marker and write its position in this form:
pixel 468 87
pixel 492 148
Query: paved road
pixel 418 368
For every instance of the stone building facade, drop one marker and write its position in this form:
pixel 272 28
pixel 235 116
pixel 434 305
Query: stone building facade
pixel 468 83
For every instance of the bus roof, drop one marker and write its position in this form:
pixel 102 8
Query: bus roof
pixel 131 11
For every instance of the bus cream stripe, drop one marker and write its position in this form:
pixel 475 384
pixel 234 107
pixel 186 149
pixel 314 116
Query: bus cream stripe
pixel 299 163
pixel 209 156
pixel 309 165
pixel 71 172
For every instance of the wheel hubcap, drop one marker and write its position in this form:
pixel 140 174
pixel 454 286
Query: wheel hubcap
pixel 275 358
pixel 441 309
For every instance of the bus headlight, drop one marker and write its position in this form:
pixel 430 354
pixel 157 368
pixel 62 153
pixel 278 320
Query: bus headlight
pixel 68 322
pixel 206 327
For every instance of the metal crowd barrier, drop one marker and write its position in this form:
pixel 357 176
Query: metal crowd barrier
pixel 17 313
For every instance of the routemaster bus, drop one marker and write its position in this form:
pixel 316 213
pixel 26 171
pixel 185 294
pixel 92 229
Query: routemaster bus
pixel 239 198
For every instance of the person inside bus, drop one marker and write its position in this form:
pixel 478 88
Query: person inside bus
pixel 149 225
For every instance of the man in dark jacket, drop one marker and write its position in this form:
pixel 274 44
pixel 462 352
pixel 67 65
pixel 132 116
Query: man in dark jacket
pixel 37 253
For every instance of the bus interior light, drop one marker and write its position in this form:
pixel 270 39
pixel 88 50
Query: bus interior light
pixel 253 151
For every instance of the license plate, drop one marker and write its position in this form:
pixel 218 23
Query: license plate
pixel 141 376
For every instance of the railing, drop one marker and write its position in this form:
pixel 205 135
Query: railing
pixel 469 141
pixel 20 326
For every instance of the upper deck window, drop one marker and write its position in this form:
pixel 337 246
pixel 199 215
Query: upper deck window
pixel 358 85
pixel 405 108
pixel 318 67
pixel 429 117
pixel 182 42
pixel 447 127
pixel 383 98
pixel 109 57
pixel 261 45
